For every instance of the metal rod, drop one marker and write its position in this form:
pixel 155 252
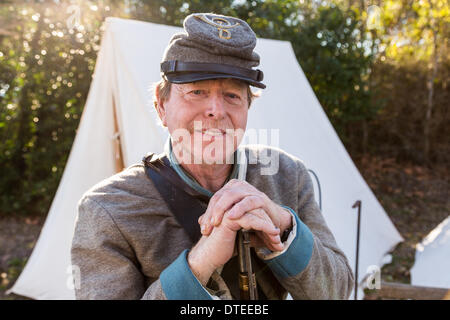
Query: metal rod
pixel 248 262
pixel 357 204
pixel 318 188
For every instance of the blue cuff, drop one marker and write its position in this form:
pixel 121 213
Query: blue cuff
pixel 297 256
pixel 179 283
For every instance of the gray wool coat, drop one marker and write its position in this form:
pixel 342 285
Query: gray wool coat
pixel 128 245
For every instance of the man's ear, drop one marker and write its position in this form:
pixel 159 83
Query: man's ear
pixel 160 108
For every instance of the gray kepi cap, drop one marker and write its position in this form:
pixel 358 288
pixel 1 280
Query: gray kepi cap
pixel 212 47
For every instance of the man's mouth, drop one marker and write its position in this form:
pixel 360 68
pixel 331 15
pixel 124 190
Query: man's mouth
pixel 212 132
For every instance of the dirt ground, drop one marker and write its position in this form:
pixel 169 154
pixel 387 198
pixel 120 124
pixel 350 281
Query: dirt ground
pixel 18 235
pixel 416 199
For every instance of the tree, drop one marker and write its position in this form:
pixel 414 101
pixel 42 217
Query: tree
pixel 421 36
pixel 46 69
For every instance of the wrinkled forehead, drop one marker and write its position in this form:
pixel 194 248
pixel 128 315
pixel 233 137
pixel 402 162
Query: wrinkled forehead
pixel 227 83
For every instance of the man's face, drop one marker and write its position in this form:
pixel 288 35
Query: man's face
pixel 206 119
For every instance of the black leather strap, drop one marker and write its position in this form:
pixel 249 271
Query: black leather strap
pixel 185 203
pixel 162 165
pixel 175 66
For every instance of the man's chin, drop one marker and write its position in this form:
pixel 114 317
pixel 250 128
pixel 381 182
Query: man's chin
pixel 217 160
pixel 216 152
pixel 213 159
pixel 206 154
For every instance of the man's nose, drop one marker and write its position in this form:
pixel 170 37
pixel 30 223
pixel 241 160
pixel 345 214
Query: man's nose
pixel 215 107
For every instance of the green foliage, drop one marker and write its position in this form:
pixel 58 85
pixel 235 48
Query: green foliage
pixel 44 80
pixel 336 57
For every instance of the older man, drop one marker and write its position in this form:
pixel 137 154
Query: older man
pixel 132 238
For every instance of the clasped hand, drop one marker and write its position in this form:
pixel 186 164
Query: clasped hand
pixel 238 205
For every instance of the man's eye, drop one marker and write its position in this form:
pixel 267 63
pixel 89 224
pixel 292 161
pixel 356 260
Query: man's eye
pixel 197 92
pixel 232 96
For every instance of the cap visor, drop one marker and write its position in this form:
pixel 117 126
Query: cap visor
pixel 191 77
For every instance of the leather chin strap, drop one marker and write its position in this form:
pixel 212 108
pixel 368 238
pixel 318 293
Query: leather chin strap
pixel 175 66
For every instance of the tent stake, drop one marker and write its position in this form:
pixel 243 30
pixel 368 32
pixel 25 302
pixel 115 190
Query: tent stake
pixel 357 204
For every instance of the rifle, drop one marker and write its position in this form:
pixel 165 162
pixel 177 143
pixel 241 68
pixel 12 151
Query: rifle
pixel 247 279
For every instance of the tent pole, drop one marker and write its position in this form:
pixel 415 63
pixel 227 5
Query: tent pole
pixel 118 156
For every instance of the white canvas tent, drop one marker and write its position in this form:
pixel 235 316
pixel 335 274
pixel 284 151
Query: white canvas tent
pixel 432 262
pixel 127 64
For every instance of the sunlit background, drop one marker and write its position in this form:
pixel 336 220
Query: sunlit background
pixel 380 69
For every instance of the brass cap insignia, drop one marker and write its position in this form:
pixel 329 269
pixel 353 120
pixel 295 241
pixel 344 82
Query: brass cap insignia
pixel 221 24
